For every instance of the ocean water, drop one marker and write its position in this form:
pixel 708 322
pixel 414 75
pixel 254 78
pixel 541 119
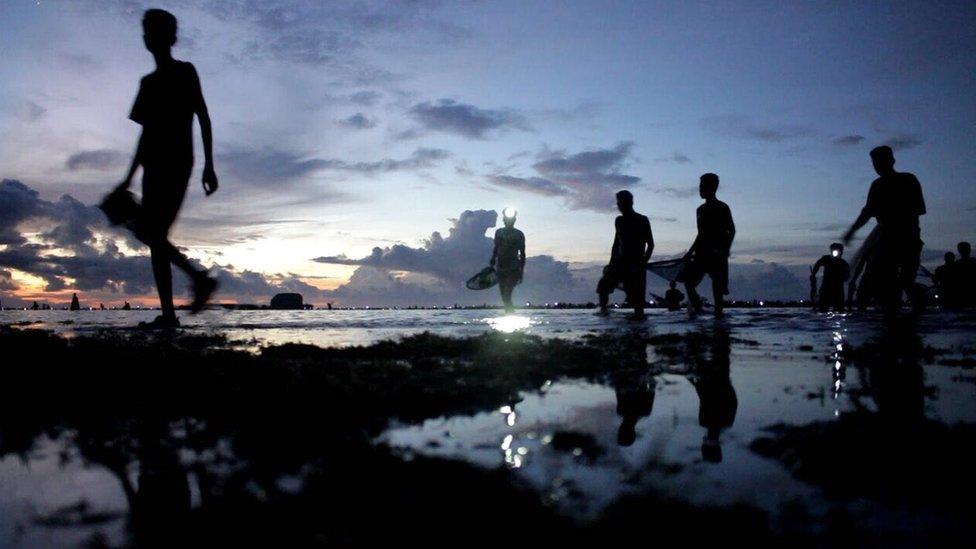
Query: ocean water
pixel 786 367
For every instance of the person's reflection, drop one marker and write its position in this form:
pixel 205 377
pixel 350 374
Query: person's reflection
pixel 634 387
pixel 159 502
pixel 711 378
pixel 891 367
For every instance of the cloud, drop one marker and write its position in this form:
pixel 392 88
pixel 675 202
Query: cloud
pixel 849 140
pixel 902 142
pixel 678 192
pixel 434 273
pixel 267 166
pixel 32 111
pixel 740 127
pixel 586 180
pixel 366 98
pixel 99 159
pixel 358 121
pixel 449 116
pixel 74 249
pixel 676 158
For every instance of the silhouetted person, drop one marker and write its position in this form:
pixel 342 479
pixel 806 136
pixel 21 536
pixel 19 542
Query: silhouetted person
pixel 709 253
pixel 836 273
pixel 508 256
pixel 75 305
pixel 895 200
pixel 944 278
pixel 126 306
pixel 35 306
pixel 965 275
pixel 168 99
pixel 633 244
pixel 673 297
pixel 717 401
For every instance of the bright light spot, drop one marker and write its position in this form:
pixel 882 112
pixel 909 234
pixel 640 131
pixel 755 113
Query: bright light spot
pixel 835 253
pixel 762 303
pixel 507 442
pixel 505 409
pixel 509 323
pixel 840 346
pixel 509 212
pixel 510 420
pixel 522 450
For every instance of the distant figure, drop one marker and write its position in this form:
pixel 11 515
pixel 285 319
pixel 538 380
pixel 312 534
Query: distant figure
pixel 167 100
pixel 836 273
pixel 508 257
pixel 895 200
pixel 101 306
pixel 633 244
pixel 75 305
pixel 944 278
pixel 965 275
pixel 709 253
pixel 330 306
pixel 35 307
pixel 673 297
pixel 126 306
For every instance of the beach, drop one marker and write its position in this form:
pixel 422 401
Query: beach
pixel 305 427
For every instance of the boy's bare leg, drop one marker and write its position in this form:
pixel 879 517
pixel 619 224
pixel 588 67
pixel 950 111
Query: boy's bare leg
pixel 164 280
pixel 694 300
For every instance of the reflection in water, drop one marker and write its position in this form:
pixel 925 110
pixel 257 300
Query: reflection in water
pixel 509 323
pixel 710 375
pixel 634 387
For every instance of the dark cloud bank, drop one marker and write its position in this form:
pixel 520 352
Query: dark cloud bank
pixel 75 250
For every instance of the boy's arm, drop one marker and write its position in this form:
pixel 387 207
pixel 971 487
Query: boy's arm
pixel 731 229
pixel 136 162
pixel 522 251
pixel 650 243
pixel 494 252
pixel 206 133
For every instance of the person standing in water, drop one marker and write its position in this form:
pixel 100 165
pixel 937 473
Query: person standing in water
pixel 673 297
pixel 709 253
pixel 895 200
pixel 168 99
pixel 633 244
pixel 508 257
pixel 836 273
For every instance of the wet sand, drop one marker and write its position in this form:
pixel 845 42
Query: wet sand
pixel 856 433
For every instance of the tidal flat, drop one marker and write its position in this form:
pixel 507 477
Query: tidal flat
pixel 860 434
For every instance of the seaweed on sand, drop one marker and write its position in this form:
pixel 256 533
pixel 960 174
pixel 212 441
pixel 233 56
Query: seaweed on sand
pixel 280 444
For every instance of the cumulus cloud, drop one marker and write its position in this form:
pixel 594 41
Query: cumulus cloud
pixel 434 273
pixel 740 127
pixel 358 121
pixel 463 119
pixel 99 159
pixel 585 180
pixel 74 249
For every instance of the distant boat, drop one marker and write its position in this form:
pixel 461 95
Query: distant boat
pixel 75 306
pixel 287 301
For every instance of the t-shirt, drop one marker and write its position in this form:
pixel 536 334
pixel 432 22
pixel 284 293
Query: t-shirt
pixel 164 106
pixel 632 238
pixel 836 270
pixel 896 202
pixel 715 228
pixel 509 241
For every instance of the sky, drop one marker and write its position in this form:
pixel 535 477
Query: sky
pixel 365 148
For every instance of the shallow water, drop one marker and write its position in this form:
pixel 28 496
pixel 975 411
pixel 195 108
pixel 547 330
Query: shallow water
pixel 691 440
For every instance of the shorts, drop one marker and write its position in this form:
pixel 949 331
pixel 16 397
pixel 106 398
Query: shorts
pixel 163 191
pixel 633 280
pixel 509 277
pixel 715 266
